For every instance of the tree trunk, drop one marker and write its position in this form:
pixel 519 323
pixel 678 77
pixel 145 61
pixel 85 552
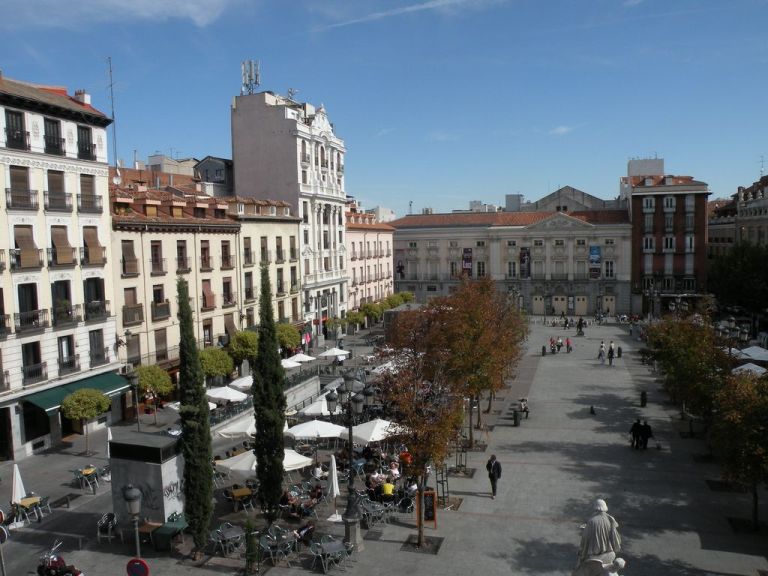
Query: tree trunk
pixel 755 514
pixel 479 421
pixel 85 430
pixel 491 397
pixel 420 510
pixel 471 432
pixel 155 410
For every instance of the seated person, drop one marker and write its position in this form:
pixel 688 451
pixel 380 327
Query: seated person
pixel 388 490
pixel 394 470
pixel 370 487
pixel 318 472
pixel 411 487
pixel 287 499
pixel 377 477
pixel 304 534
pixel 316 493
pixel 406 457
pixel 367 453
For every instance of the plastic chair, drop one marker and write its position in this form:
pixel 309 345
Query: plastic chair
pixel 105 528
pixel 217 541
pixel 44 504
pixel 314 550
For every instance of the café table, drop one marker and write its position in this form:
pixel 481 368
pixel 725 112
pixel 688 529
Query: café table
pixel 334 548
pixel 230 536
pixel 146 529
pixel 240 494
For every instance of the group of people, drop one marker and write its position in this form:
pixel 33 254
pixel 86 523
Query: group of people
pixel 298 507
pixel 604 353
pixel 555 344
pixel 639 434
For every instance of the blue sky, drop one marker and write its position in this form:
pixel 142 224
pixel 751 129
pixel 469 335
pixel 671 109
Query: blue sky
pixel 439 101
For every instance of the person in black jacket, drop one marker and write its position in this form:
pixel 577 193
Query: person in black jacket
pixel 494 473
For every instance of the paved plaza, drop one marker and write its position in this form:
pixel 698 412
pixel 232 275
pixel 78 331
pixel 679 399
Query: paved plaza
pixel 555 464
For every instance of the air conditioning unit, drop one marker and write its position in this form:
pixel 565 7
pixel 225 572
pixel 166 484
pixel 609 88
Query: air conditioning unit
pixel 125 369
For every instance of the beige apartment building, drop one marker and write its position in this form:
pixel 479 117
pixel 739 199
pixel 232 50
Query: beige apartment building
pixel 576 263
pixel 56 293
pixel 370 256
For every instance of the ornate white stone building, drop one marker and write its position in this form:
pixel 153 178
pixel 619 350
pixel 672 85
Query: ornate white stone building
pixel 56 323
pixel 286 150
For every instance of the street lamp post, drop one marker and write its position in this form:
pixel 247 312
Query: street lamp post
pixel 132 497
pixel 133 380
pixel 345 394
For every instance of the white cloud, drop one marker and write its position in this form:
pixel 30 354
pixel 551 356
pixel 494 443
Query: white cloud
pixel 561 130
pixel 55 13
pixel 409 9
pixel 384 132
pixel 442 137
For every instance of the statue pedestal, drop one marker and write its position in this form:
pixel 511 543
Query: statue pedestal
pixel 353 533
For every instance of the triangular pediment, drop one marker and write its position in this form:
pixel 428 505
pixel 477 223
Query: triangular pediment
pixel 560 221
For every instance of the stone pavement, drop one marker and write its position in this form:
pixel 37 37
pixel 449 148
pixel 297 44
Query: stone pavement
pixel 554 465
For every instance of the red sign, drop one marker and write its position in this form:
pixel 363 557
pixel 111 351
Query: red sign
pixel 137 567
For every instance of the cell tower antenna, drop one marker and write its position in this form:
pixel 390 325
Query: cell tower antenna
pixel 114 124
pixel 762 165
pixel 251 74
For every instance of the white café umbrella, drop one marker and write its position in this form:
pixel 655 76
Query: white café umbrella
pixel 243 384
pixel 315 429
pixel 333 490
pixel 374 431
pixel 244 465
pixel 177 406
pixel 736 353
pixel 334 352
pixel 319 408
pixel 109 437
pixel 289 364
pixel 749 367
pixel 17 492
pixel 225 394
pixel 243 428
pixel 756 353
pixel 301 357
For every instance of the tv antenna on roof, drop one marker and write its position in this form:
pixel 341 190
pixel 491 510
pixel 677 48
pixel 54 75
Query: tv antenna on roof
pixel 251 76
pixel 292 92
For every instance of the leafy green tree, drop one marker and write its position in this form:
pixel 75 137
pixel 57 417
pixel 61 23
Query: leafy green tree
pixel 154 383
pixel 216 362
pixel 269 407
pixel 372 310
pixel 83 405
pixel 407 297
pixel 356 319
pixel 288 336
pixel 740 278
pixel 195 428
pixel 740 435
pixel 242 346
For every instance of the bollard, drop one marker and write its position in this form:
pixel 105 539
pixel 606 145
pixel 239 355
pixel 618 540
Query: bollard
pixel 618 351
pixel 543 350
pixel 515 418
pixel 643 399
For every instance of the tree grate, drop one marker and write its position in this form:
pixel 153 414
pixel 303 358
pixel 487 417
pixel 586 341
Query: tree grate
pixel 432 545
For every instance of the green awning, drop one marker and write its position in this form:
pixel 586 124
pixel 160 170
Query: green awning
pixel 109 383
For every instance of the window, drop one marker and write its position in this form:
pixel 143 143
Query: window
pixel 690 221
pixel 649 203
pixel 581 242
pixel 86 150
pixel 480 269
pixel 608 273
pixel 99 354
pixel 306 237
pixel 16 135
pixel 538 243
pixel 198 212
pixel 669 222
pixel 129 261
pixel 649 244
pixel 511 242
pixel 511 269
pixel 669 203
pixel 560 243
pixel 454 269
pixel 454 244
pixel 410 245
pixel 669 243
pixel 264 249
pixel 240 208
pixel 161 345
pixel 648 223
pixel 689 243
pixel 248 286
pixel 306 266
pixel 609 242
pixel 431 243
pixel 480 243
pixel 156 257
pixel 431 288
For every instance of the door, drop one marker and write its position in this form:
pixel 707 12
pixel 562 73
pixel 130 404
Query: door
pixel 538 305
pixel 580 308
pixel 609 305
pixel 560 304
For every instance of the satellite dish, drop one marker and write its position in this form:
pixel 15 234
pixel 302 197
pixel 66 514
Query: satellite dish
pixel 116 179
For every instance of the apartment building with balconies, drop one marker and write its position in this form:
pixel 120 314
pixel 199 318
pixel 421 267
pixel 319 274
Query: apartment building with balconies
pixel 369 256
pixel 159 235
pixel 286 150
pixel 56 292
pixel 575 263
pixel 269 235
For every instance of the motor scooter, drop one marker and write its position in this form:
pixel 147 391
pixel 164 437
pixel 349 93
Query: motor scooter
pixel 52 564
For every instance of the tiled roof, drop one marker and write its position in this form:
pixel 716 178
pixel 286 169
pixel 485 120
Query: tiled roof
pixel 362 226
pixel 660 180
pixel 50 95
pixel 490 219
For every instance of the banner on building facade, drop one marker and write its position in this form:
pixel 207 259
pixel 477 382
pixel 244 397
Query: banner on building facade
pixel 400 263
pixel 466 261
pixel 595 261
pixel 525 262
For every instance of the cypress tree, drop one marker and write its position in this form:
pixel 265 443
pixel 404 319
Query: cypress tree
pixel 269 407
pixel 195 427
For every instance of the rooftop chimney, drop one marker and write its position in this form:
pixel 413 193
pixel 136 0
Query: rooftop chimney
pixel 83 97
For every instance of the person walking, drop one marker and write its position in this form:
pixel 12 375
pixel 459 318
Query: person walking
pixel 645 432
pixel 601 352
pixel 634 432
pixel 494 473
pixel 568 346
pixel 611 353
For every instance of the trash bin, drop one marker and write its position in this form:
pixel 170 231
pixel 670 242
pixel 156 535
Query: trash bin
pixel 643 399
pixel 618 351
pixel 515 418
pixel 543 350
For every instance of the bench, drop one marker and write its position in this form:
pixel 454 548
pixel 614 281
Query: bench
pixel 64 501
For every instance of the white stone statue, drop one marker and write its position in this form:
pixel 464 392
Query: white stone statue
pixel 600 542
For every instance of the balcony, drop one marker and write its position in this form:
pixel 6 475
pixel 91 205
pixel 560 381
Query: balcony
pixel 157 267
pixel 86 151
pixel 294 254
pixel 228 299
pixel 280 290
pixel 5 325
pixel 324 164
pixel 31 320
pixel 248 259
pixel 305 159
pixel 129 268
pixel 206 263
pixel 66 315
pixel 30 261
pixel 57 201
pixel 62 258
pixel 17 139
pixel 69 365
pixel 581 276
pixel 96 311
pixel 90 203
pixel 54 145
pixel 250 295
pixel 133 314
pixel 99 357
pixel 5 381
pixel 93 256
pixel 16 199
pixel 279 256
pixel 559 276
pixel 208 302
pixel 294 288
pixel 227 262
pixel 161 310
pixel 538 276
pixel 265 257
pixel 34 373
pixel 340 168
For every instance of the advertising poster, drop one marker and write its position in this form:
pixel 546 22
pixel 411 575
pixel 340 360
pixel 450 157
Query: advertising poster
pixel 525 262
pixel 400 263
pixel 466 261
pixel 595 261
